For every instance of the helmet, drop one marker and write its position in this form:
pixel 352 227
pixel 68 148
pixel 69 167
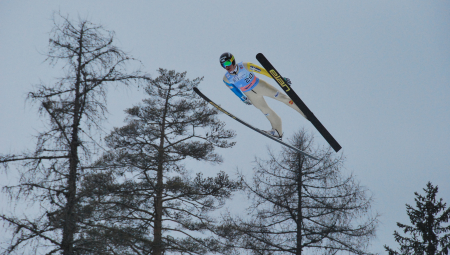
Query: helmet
pixel 227 59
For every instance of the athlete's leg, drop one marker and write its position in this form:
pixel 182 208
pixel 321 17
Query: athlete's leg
pixel 265 89
pixel 259 102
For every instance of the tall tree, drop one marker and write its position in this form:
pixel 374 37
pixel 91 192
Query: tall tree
pixel 301 204
pixel 430 231
pixel 73 108
pixel 159 207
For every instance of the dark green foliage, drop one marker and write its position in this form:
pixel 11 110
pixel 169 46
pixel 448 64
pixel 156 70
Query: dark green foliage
pixel 428 233
pixel 158 206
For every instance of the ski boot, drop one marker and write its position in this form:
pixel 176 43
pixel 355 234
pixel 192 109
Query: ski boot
pixel 274 133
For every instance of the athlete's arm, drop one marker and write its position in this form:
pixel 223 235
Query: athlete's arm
pixel 256 69
pixel 235 90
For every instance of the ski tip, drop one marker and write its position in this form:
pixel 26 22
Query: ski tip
pixel 259 55
pixel 195 89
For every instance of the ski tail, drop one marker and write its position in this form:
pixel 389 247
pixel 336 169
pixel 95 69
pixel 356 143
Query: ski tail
pixel 196 90
pixel 290 92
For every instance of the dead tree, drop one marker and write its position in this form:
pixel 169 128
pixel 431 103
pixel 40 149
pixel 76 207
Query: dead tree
pixel 300 204
pixel 73 109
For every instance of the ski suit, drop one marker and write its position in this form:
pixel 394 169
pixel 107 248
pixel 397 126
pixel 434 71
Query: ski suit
pixel 246 85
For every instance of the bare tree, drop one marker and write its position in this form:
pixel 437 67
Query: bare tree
pixel 302 204
pixel 73 108
pixel 154 204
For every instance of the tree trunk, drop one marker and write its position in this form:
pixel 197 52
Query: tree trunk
pixel 158 214
pixel 158 207
pixel 430 236
pixel 69 215
pixel 299 213
pixel 158 244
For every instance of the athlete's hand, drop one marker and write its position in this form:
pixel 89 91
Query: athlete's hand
pixel 287 80
pixel 247 101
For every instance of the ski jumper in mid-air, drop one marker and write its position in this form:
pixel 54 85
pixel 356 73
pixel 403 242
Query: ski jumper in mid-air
pixel 240 78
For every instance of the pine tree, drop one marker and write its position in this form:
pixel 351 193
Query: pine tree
pixel 429 233
pixel 73 109
pixel 155 205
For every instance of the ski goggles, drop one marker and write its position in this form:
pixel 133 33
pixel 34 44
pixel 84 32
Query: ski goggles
pixel 227 63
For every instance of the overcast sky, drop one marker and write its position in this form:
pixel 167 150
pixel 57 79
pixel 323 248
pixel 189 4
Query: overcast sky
pixel 375 73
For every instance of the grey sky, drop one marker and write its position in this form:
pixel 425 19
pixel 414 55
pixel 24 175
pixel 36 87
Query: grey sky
pixel 375 73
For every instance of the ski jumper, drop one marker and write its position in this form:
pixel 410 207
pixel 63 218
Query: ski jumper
pixel 246 85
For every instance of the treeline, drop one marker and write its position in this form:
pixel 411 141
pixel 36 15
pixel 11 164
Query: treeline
pixel 134 195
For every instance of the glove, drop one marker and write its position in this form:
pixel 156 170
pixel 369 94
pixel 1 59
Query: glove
pixel 247 101
pixel 287 80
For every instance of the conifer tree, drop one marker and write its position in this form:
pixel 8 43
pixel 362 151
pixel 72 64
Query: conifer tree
pixel 430 232
pixel 154 205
